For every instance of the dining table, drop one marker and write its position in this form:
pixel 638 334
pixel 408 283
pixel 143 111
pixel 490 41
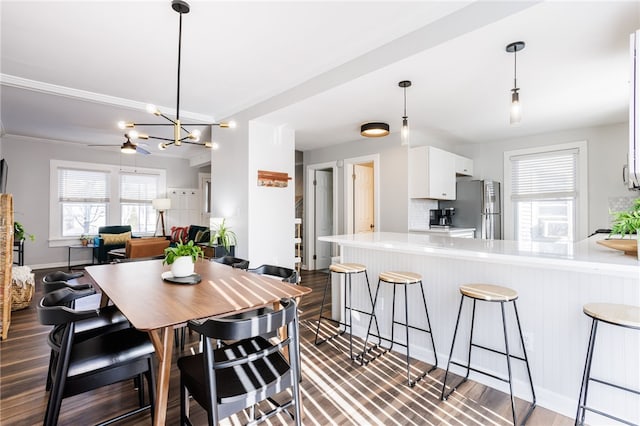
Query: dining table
pixel 157 306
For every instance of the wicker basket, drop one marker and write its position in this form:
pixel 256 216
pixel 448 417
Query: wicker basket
pixel 22 287
pixel 6 259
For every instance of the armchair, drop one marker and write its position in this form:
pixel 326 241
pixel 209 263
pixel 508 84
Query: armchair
pixel 115 240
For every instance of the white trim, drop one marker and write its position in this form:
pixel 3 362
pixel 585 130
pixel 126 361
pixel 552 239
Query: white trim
pixel 348 189
pixel 310 247
pixel 53 89
pixel 55 234
pixel 582 207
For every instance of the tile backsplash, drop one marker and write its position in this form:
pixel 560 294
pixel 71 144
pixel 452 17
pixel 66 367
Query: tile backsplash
pixel 617 204
pixel 419 213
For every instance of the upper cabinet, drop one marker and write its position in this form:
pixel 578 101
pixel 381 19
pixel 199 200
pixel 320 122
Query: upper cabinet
pixel 432 173
pixel 464 165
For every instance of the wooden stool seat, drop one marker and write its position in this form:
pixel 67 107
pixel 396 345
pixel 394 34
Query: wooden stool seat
pixel 489 292
pixel 624 315
pixel 400 277
pixel 347 268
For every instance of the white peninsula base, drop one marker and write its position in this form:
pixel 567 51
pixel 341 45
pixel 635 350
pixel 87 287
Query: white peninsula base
pixel 553 282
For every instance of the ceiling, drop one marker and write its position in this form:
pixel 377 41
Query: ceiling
pixel 70 70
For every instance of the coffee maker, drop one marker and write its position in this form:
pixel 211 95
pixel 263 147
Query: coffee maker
pixel 439 218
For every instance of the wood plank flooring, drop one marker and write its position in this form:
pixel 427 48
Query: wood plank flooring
pixel 334 390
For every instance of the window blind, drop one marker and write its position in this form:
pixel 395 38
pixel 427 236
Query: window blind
pixel 138 188
pixel 83 186
pixel 545 175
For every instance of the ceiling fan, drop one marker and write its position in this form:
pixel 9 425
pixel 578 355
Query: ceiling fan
pixel 129 147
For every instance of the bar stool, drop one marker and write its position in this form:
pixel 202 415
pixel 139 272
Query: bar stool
pixel 615 314
pixel 348 270
pixel 404 279
pixel 502 295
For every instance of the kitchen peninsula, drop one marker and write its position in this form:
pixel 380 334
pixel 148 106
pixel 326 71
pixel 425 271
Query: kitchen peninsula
pixel 553 281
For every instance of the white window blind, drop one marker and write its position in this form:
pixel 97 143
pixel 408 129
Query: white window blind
pixel 544 191
pixel 83 186
pixel 545 175
pixel 138 188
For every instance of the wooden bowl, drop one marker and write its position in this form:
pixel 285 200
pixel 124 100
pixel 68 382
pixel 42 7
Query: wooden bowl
pixel 628 246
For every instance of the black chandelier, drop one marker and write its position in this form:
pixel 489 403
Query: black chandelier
pixel 180 132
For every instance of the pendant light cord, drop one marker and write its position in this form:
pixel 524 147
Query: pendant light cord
pixel 179 56
pixel 515 69
pixel 405 102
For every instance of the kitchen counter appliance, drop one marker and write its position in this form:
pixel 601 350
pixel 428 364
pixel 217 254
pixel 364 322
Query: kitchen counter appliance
pixel 477 205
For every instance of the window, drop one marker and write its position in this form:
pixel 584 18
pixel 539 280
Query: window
pixel 87 196
pixel 136 193
pixel 83 197
pixel 546 190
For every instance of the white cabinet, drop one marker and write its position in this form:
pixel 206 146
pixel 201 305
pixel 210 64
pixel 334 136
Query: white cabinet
pixel 464 165
pixel 432 173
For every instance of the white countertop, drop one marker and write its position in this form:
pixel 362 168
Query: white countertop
pixel 449 230
pixel 584 256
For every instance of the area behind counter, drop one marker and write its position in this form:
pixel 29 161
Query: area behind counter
pixel 554 281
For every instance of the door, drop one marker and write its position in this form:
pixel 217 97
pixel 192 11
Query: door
pixel 363 217
pixel 323 196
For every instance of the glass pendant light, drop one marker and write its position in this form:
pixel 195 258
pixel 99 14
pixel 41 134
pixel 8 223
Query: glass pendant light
pixel 404 132
pixel 516 108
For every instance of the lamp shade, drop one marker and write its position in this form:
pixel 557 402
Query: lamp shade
pixel 374 129
pixel 161 204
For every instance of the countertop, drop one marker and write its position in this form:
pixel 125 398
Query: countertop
pixel 449 230
pixel 585 255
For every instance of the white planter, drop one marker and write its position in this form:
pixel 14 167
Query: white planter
pixel 183 266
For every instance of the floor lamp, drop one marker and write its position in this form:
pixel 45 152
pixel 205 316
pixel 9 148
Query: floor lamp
pixel 161 205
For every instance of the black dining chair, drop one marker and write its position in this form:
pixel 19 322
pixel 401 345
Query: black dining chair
pixel 287 274
pixel 234 262
pixel 59 279
pixel 87 363
pixel 227 380
pixel 109 318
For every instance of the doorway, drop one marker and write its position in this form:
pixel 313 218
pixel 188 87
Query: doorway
pixel 321 213
pixel 362 206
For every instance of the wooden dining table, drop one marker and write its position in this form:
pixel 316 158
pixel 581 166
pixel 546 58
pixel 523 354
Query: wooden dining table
pixel 157 306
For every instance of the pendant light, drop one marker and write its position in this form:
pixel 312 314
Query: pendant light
pixel 516 107
pixel 404 132
pixel 181 134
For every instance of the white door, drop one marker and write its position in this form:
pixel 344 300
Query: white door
pixel 324 216
pixel 363 218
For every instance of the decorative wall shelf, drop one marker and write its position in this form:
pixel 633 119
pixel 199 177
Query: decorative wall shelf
pixel 277 179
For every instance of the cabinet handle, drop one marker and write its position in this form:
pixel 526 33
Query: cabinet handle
pixel 444 194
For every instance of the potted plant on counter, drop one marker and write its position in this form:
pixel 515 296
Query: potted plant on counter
pixel 626 223
pixel 182 258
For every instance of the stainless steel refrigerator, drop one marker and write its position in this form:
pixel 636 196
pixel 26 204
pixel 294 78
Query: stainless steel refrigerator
pixel 477 205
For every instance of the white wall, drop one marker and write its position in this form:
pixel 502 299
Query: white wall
pixel 272 209
pixel 607 150
pixel 28 161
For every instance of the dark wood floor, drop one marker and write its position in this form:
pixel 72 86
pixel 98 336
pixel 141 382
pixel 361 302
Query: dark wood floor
pixel 334 390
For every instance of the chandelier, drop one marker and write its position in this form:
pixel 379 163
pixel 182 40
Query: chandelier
pixel 181 134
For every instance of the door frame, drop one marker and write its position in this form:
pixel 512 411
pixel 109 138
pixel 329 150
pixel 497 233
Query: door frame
pixel 348 190
pixel 310 210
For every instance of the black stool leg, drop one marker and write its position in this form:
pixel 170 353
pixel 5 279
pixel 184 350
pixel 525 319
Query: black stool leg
pixel 321 317
pixel 348 277
pixel 444 397
pixel 373 312
pixel 526 361
pixel 406 321
pixel 506 347
pixel 582 400
pixel 473 322
pixel 366 339
pixel 433 343
pixel 393 317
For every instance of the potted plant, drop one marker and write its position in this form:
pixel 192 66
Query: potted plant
pixel 182 258
pixel 626 222
pixel 224 236
pixel 19 233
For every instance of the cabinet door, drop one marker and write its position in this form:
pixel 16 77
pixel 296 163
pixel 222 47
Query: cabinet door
pixel 464 166
pixel 442 176
pixel 418 172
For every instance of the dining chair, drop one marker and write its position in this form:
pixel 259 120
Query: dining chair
pixel 234 262
pixel 85 364
pixel 59 279
pixel 109 319
pixel 287 274
pixel 227 380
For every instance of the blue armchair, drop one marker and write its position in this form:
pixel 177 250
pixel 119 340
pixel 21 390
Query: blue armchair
pixel 100 252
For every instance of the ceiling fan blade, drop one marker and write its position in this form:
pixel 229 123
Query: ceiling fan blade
pixel 142 150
